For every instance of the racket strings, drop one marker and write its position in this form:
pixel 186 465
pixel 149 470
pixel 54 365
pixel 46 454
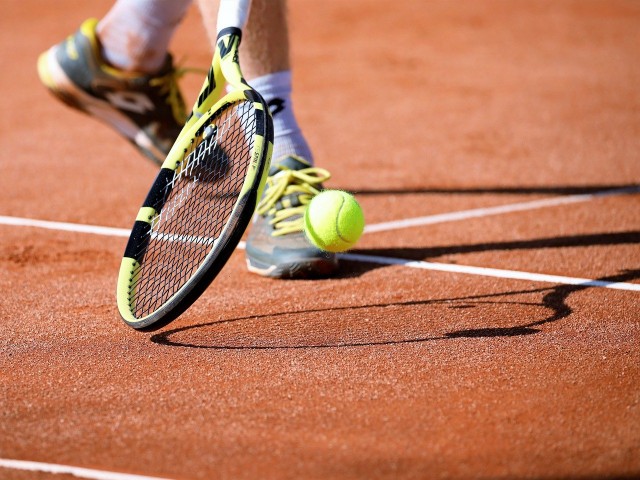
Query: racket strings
pixel 198 204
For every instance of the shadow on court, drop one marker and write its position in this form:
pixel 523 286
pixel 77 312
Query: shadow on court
pixel 354 269
pixel 496 190
pixel 384 324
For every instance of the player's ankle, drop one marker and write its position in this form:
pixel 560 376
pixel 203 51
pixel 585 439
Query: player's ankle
pixel 288 137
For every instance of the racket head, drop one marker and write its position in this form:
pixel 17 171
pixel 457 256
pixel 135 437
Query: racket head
pixel 200 203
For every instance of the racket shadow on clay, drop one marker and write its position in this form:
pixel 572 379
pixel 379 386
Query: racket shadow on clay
pixel 310 328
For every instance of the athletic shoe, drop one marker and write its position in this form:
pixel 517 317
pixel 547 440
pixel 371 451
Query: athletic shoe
pixel 148 110
pixel 276 246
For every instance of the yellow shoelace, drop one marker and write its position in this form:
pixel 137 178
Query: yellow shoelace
pixel 168 84
pixel 304 183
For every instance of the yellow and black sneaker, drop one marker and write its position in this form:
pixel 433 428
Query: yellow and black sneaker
pixel 276 246
pixel 148 110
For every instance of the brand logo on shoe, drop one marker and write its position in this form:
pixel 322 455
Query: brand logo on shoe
pixel 132 101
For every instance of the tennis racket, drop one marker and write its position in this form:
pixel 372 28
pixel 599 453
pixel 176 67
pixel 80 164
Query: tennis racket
pixel 205 193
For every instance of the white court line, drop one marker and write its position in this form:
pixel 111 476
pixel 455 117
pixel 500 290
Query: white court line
pixel 490 272
pixel 411 222
pixel 77 227
pixel 498 210
pixel 67 227
pixel 69 470
pixel 174 237
pixel 376 227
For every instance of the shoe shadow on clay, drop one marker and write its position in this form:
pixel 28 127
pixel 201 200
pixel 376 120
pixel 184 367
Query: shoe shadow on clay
pixel 350 269
pixel 395 323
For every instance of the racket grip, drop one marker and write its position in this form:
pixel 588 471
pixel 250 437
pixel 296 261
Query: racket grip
pixel 233 13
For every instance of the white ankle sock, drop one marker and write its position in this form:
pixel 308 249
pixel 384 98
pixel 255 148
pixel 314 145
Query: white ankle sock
pixel 135 34
pixel 288 138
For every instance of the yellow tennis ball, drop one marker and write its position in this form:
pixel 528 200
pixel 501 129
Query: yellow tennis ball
pixel 333 221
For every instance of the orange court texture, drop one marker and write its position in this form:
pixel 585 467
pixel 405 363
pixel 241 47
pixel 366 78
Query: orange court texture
pixel 390 370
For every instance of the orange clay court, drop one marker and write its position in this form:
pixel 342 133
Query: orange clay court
pixel 487 325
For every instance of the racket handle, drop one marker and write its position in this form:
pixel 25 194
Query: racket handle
pixel 233 13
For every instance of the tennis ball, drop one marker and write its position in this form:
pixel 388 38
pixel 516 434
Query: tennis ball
pixel 333 221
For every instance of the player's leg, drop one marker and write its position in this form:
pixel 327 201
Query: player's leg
pixel 118 70
pixel 276 246
pixel 264 57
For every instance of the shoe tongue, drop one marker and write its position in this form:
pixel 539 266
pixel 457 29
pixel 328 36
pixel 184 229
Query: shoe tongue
pixel 290 162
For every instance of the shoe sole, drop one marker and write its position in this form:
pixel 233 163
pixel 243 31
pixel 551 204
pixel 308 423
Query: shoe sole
pixel 313 268
pixel 56 80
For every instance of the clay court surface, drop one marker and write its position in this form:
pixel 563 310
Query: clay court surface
pixel 496 334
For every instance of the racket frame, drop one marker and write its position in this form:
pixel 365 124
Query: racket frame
pixel 224 67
